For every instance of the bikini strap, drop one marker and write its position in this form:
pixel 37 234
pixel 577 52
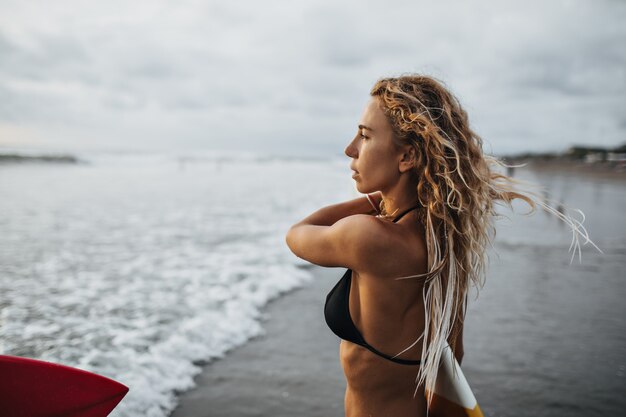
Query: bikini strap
pixel 405 212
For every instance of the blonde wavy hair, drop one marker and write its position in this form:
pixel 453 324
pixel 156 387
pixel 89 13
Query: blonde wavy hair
pixel 458 188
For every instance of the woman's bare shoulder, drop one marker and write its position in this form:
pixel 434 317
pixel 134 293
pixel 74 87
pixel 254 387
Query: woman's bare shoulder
pixel 392 250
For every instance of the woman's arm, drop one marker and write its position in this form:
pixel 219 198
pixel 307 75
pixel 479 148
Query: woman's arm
pixel 336 235
pixel 458 346
pixel 329 215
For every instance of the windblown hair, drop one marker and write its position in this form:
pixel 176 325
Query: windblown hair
pixel 458 188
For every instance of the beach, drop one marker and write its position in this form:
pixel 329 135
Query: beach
pixel 176 281
pixel 292 370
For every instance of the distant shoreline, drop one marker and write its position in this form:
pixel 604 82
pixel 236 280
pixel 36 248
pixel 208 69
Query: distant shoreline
pixel 605 163
pixel 599 170
pixel 57 159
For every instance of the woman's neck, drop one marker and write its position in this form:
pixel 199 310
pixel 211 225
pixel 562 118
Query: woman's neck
pixel 402 197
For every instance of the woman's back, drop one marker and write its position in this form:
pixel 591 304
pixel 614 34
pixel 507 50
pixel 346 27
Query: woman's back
pixel 388 315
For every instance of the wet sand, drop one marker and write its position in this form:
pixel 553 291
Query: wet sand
pixel 292 370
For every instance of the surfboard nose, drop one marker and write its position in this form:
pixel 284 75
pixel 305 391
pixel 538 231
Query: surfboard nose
pixel 34 388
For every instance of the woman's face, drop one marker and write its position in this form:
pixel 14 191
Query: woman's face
pixel 375 157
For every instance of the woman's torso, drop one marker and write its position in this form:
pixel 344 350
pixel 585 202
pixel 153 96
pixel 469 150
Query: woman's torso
pixel 389 314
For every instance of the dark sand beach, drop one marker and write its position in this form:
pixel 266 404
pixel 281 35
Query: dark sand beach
pixel 292 370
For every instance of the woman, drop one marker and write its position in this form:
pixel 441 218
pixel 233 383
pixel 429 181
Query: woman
pixel 412 245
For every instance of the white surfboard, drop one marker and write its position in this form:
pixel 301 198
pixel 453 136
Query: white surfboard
pixel 453 396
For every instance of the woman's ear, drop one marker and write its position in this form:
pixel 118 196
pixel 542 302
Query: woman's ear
pixel 408 159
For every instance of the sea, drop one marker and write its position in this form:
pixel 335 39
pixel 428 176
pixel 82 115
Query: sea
pixel 144 267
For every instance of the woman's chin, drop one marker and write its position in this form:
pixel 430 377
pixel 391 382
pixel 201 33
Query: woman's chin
pixel 359 186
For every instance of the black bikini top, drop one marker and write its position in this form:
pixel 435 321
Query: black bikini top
pixel 337 312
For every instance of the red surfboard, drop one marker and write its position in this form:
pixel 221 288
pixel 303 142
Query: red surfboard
pixel 33 388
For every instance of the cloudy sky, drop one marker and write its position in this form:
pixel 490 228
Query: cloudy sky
pixel 292 77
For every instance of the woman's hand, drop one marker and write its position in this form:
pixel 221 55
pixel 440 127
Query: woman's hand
pixel 376 197
pixel 329 215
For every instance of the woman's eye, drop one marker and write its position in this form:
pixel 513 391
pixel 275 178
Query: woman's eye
pixel 362 136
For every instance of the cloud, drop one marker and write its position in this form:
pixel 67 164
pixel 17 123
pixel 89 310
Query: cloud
pixel 289 77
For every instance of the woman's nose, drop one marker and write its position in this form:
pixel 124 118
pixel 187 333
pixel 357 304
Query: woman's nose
pixel 350 150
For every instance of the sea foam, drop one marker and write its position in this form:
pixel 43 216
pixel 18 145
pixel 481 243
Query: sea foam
pixel 142 268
